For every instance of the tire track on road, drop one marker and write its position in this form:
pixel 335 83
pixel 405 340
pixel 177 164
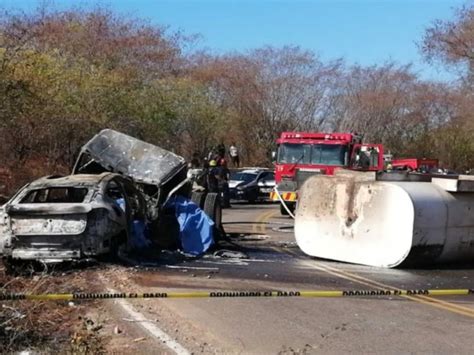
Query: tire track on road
pixel 259 226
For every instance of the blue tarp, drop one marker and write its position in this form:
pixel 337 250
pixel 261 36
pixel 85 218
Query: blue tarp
pixel 139 236
pixel 139 232
pixel 195 227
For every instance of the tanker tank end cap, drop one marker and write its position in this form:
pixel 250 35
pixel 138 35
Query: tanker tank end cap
pixel 464 183
pixel 356 175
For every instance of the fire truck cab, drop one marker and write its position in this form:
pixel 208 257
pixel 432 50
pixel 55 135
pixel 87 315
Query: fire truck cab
pixel 302 154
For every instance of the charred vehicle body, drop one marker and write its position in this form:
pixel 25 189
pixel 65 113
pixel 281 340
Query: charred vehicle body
pixel 60 218
pixel 155 170
pixel 117 195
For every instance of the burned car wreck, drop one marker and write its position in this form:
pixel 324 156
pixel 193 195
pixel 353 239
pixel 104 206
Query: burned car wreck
pixel 122 193
pixel 57 218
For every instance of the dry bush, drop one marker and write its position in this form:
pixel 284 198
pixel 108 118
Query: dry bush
pixel 46 326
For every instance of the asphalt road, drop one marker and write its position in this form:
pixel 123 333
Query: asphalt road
pixel 262 255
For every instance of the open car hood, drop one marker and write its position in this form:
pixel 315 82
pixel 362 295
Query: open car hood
pixel 123 154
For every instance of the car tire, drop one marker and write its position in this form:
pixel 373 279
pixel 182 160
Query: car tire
pixel 252 196
pixel 198 198
pixel 11 266
pixel 115 243
pixel 291 206
pixel 114 248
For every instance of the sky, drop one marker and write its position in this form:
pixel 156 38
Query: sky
pixel 366 32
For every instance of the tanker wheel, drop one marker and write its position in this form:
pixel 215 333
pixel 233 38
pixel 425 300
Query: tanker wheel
pixel 212 207
pixel 291 206
pixel 198 198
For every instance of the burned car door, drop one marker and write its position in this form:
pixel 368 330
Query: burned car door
pixel 135 201
pixel 115 195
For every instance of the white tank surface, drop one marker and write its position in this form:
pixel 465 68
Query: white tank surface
pixel 353 218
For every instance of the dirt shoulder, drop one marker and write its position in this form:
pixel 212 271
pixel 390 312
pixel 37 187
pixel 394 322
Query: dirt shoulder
pixel 78 327
pixel 48 326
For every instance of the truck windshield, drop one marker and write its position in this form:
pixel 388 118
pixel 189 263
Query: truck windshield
pixel 321 154
pixel 329 154
pixel 294 153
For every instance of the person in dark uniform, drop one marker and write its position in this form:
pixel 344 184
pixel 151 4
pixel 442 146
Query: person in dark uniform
pixel 213 177
pixel 221 150
pixel 224 183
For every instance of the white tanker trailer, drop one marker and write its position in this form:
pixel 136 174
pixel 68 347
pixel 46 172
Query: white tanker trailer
pixel 367 218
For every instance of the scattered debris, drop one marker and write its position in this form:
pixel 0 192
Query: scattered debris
pixel 223 253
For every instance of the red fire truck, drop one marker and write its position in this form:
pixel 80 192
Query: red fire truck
pixel 302 154
pixel 415 164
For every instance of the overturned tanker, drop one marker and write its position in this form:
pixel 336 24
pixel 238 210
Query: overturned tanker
pixel 386 221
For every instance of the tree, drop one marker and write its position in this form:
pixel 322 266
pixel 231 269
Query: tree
pixel 64 75
pixel 452 42
pixel 269 90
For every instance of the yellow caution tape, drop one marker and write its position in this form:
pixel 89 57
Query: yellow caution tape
pixel 231 294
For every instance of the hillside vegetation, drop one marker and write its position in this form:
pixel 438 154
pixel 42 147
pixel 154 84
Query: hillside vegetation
pixel 64 75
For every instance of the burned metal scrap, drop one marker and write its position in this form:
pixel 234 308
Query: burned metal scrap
pixel 155 170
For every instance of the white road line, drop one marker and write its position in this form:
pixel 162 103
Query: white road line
pixel 192 267
pixel 150 327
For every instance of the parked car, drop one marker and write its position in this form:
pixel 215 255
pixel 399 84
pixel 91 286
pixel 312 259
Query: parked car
pixel 251 184
pixel 65 218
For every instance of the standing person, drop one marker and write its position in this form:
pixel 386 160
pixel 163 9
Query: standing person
pixel 221 150
pixel 195 161
pixel 213 177
pixel 210 155
pixel 224 183
pixel 234 155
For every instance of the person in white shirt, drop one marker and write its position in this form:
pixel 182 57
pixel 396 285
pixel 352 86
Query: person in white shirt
pixel 234 155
